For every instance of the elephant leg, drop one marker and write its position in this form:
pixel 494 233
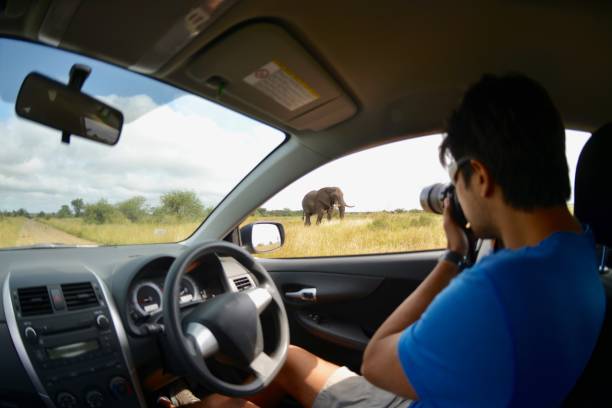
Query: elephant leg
pixel 307 219
pixel 329 213
pixel 319 217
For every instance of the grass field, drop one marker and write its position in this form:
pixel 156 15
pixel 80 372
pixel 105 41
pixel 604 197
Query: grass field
pixel 364 233
pixel 122 234
pixel 359 234
pixel 10 227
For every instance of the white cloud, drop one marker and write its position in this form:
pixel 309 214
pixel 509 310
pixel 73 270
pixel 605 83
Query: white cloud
pixel 172 147
pixel 132 107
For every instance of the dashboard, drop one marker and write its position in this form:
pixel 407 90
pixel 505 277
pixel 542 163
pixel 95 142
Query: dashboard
pixel 106 350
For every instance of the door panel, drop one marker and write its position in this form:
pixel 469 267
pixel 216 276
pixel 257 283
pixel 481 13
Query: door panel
pixel 354 295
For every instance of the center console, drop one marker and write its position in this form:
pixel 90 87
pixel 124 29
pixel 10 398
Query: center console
pixel 70 340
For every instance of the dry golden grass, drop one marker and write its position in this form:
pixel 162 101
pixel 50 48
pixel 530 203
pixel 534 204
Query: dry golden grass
pixel 123 234
pixel 371 233
pixel 10 227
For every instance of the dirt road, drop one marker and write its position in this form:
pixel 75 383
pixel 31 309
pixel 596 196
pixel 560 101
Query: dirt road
pixel 34 232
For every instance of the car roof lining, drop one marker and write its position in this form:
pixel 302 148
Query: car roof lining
pixel 403 66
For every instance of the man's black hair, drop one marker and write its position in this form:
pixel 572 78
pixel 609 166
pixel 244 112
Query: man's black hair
pixel 510 124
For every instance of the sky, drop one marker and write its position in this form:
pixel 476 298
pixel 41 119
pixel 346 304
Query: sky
pixel 391 176
pixel 175 141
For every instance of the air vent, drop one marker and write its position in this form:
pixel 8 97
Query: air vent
pixel 34 301
pixel 79 295
pixel 243 283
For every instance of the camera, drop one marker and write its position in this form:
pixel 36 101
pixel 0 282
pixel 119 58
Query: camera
pixel 432 200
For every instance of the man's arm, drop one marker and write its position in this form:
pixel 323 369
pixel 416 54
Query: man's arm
pixel 381 365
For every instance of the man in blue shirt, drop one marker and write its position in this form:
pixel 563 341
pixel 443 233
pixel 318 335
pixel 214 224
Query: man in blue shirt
pixel 516 329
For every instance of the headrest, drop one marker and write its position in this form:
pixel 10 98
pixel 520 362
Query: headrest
pixel 592 188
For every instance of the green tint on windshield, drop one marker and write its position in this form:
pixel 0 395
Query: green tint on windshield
pixel 179 155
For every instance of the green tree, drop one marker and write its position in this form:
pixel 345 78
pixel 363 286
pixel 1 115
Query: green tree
pixel 22 212
pixel 78 205
pixel 133 208
pixel 184 205
pixel 102 212
pixel 64 212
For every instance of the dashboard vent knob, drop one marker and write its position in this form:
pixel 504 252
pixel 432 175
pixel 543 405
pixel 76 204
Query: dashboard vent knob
pixel 34 301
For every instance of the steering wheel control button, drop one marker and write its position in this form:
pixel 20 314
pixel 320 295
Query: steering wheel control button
pixel 94 399
pixel 102 322
pixel 66 400
pixel 31 335
pixel 120 387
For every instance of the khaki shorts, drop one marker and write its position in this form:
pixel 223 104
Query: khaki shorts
pixel 344 388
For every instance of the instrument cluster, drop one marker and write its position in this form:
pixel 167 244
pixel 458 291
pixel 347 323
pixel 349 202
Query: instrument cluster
pixel 147 295
pixel 204 280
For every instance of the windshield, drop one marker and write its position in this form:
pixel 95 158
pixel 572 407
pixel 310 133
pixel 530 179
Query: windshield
pixel 178 156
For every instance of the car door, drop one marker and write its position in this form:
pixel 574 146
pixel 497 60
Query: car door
pixel 351 297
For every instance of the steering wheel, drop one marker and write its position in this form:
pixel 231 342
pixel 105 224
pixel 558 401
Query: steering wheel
pixel 228 324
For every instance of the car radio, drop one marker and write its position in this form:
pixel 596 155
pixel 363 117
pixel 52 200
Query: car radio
pixel 71 342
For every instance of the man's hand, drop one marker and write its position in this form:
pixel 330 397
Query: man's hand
pixel 456 238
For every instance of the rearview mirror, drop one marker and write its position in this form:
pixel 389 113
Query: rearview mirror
pixel 261 237
pixel 44 100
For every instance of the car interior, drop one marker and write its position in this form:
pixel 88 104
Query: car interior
pixel 349 76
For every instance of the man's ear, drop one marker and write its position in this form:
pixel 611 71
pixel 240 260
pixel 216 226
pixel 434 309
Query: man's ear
pixel 481 179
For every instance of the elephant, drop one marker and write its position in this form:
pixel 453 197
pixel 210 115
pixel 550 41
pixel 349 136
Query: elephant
pixel 321 201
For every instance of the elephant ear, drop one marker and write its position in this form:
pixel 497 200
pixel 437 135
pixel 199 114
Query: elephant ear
pixel 324 196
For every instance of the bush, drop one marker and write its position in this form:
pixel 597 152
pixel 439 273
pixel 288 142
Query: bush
pixel 64 212
pixel 182 205
pixel 102 213
pixel 133 209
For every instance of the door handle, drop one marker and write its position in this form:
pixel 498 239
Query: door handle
pixel 305 295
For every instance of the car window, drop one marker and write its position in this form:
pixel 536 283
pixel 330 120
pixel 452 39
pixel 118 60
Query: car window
pixel 178 156
pixel 382 185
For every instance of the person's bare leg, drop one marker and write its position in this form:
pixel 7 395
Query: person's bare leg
pixel 271 396
pixel 304 375
pixel 221 401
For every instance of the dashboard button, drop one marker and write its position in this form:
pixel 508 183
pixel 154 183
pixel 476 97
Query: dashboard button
pixel 58 299
pixel 94 399
pixel 31 335
pixel 120 387
pixel 102 322
pixel 66 400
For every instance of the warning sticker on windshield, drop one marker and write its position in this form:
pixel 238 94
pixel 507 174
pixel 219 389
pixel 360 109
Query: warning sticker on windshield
pixel 282 85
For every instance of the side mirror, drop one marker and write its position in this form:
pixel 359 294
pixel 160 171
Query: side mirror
pixel 261 237
pixel 44 100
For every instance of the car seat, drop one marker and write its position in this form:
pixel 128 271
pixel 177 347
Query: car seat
pixel 592 206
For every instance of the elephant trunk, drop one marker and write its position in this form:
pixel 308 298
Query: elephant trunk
pixel 342 204
pixel 341 208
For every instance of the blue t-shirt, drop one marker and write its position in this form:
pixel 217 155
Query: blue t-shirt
pixel 517 329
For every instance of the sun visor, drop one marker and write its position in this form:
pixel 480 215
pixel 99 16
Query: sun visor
pixel 263 67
